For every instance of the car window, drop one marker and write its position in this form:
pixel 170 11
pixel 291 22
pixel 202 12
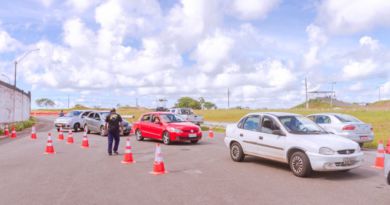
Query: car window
pixel 97 116
pixel 268 125
pixel 300 125
pixel 322 119
pixel 146 118
pixel 312 117
pixel 346 118
pixel 241 123
pixel 171 118
pixel 84 114
pixel 252 123
pixel 91 115
pixel 73 114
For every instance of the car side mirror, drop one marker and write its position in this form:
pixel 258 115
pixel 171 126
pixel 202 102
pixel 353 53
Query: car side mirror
pixel 278 132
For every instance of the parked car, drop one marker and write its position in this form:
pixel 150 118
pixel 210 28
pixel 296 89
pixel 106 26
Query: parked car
pixel 167 127
pixel 73 120
pixel 387 167
pixel 96 120
pixel 292 139
pixel 188 115
pixel 345 125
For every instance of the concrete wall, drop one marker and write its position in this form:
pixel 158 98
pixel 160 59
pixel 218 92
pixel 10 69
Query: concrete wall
pixel 22 104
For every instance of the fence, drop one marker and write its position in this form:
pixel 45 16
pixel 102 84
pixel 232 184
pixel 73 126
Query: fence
pixel 22 104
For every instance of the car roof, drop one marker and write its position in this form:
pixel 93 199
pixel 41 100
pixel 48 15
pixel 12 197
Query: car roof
pixel 329 113
pixel 276 114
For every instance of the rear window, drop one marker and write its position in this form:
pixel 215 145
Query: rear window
pixel 347 118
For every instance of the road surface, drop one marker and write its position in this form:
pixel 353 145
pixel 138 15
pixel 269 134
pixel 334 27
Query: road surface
pixel 198 174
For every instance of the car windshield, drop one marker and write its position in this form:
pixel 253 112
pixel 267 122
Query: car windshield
pixel 171 118
pixel 346 118
pixel 73 114
pixel 300 125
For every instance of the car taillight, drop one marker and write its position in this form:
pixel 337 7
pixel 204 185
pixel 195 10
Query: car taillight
pixel 349 127
pixel 372 129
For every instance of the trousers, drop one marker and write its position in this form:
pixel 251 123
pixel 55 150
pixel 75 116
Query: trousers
pixel 113 136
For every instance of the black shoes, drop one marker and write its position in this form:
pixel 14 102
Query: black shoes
pixel 116 153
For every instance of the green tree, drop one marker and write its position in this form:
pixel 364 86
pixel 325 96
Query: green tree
pixel 44 102
pixel 209 105
pixel 187 102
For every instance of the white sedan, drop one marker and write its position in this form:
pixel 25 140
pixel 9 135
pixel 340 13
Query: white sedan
pixel 292 139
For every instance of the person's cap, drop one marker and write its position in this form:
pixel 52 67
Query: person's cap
pixel 113 110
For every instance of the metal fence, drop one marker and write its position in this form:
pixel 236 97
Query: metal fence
pixel 15 104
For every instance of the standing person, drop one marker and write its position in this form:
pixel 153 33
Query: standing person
pixel 62 113
pixel 113 125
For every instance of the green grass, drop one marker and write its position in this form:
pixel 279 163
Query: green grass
pixel 19 126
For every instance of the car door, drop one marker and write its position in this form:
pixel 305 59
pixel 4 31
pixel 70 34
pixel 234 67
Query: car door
pixel 272 145
pixel 144 125
pixel 156 129
pixel 249 134
pixel 89 120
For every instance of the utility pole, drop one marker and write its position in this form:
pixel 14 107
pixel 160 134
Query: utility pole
pixel 379 93
pixel 68 101
pixel 331 95
pixel 307 100
pixel 228 95
pixel 136 102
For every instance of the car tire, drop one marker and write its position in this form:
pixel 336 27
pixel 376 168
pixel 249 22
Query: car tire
pixel 361 144
pixel 86 128
pixel 300 164
pixel 138 135
pixel 126 133
pixel 236 152
pixel 388 178
pixel 194 141
pixel 166 138
pixel 101 131
pixel 76 127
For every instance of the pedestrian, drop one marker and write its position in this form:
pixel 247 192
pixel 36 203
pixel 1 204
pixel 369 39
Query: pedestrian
pixel 113 125
pixel 62 113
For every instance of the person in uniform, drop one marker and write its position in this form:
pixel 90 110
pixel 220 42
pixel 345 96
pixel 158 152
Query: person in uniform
pixel 113 126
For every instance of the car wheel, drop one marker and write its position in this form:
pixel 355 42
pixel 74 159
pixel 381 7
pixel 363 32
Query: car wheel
pixel 300 164
pixel 361 144
pixel 236 152
pixel 58 129
pixel 166 140
pixel 138 135
pixel 126 133
pixel 194 141
pixel 76 127
pixel 86 128
pixel 388 178
pixel 102 133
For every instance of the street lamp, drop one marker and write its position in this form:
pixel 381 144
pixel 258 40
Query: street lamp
pixel 16 65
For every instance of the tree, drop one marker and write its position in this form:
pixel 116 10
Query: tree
pixel 209 105
pixel 44 102
pixel 187 102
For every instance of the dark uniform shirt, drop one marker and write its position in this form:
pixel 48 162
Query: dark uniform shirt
pixel 113 121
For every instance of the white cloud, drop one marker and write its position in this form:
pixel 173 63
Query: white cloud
pixel 253 9
pixel 357 69
pixel 367 41
pixel 80 5
pixel 46 3
pixel 344 16
pixel 7 43
pixel 317 39
pixel 76 34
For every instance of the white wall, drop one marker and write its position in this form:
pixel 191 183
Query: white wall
pixel 22 104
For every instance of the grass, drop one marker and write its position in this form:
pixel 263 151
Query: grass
pixel 19 126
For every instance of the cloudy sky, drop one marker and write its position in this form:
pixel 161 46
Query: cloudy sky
pixel 109 52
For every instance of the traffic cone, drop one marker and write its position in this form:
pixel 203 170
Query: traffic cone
pixel 33 133
pixel 128 157
pixel 211 132
pixel 380 156
pixel 49 145
pixel 85 143
pixel 387 150
pixel 158 166
pixel 6 131
pixel 61 134
pixel 70 140
pixel 13 133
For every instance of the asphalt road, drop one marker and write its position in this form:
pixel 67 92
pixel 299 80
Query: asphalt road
pixel 198 174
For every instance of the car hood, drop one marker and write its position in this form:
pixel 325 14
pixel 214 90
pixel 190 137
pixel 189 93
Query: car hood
pixel 334 142
pixel 64 119
pixel 181 125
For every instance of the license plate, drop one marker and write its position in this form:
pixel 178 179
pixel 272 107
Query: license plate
pixel 363 137
pixel 192 135
pixel 348 161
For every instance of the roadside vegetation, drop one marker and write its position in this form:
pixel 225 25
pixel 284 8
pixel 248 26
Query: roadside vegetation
pixel 21 125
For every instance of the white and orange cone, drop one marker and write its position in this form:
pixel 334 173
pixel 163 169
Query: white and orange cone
pixel 33 133
pixel 158 166
pixel 211 132
pixel 61 134
pixel 49 145
pixel 85 143
pixel 13 133
pixel 128 157
pixel 6 131
pixel 380 156
pixel 69 139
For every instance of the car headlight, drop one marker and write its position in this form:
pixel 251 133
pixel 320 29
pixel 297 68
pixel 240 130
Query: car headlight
pixel 326 151
pixel 172 129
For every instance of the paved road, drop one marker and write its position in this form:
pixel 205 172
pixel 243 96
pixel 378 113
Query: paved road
pixel 198 174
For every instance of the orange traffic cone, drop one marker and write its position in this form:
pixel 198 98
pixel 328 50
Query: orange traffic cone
pixel 85 143
pixel 6 131
pixel 33 133
pixel 61 134
pixel 49 145
pixel 158 166
pixel 380 156
pixel 387 150
pixel 211 133
pixel 128 157
pixel 70 140
pixel 13 133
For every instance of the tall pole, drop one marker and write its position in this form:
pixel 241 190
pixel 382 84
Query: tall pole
pixel 228 95
pixel 68 101
pixel 307 100
pixel 331 95
pixel 379 94
pixel 136 102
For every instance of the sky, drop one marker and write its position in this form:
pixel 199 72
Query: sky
pixel 109 52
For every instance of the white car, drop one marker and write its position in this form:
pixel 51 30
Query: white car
pixel 188 115
pixel 345 126
pixel 73 120
pixel 292 139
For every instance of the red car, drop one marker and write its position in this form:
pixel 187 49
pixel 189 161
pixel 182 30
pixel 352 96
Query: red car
pixel 167 127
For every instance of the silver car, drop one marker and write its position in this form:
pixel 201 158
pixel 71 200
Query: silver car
pixel 345 125
pixel 73 120
pixel 96 120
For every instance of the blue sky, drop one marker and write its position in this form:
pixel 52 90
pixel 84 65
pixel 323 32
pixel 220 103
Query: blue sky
pixel 109 52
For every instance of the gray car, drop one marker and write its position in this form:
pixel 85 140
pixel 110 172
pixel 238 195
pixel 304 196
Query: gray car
pixel 345 125
pixel 95 122
pixel 73 120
